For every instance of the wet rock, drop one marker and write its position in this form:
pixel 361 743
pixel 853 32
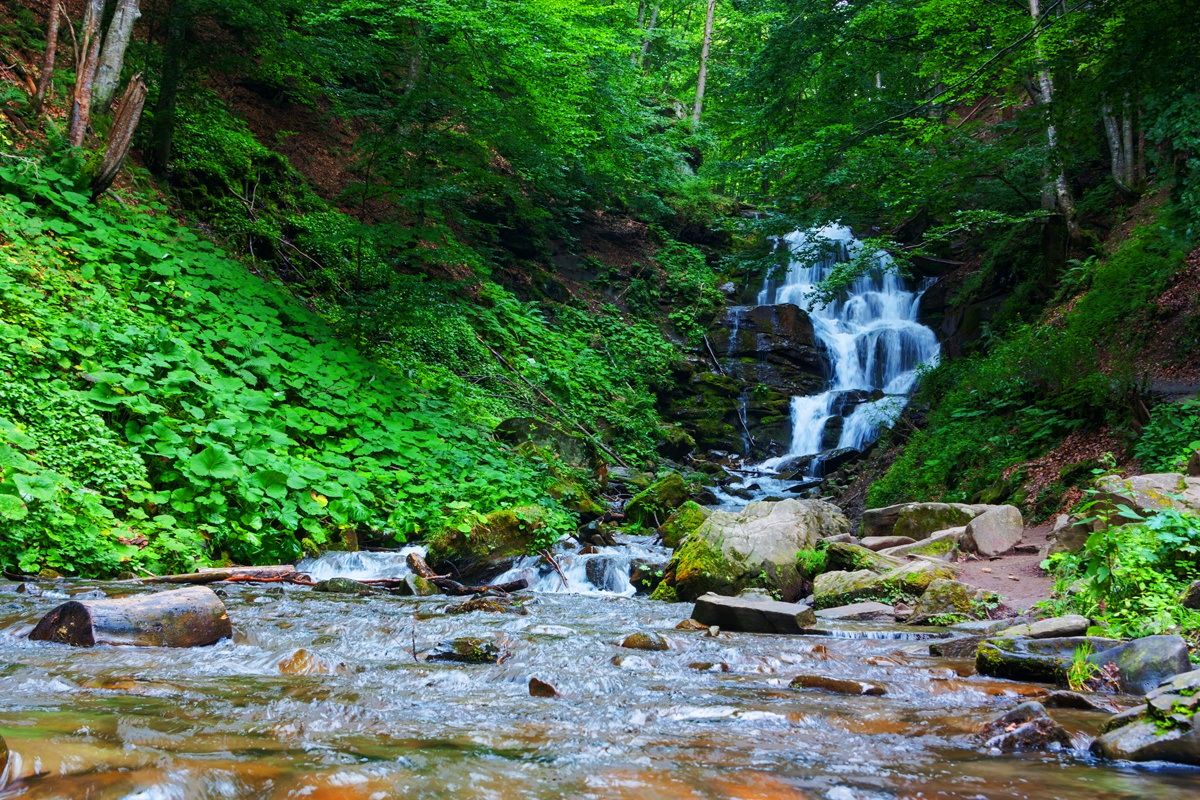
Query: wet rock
pixel 645 640
pixel 709 666
pixel 491 544
pixel 420 587
pixel 467 650
pixel 189 617
pixel 1147 494
pixel 939 544
pixel 1080 701
pixel 1054 627
pixel 1145 663
pixel 604 573
pixel 30 589
pixel 995 531
pixel 487 605
pixel 654 504
pixel 754 546
pixel 683 520
pixel 540 688
pixel 690 625
pixel 1165 728
pixel 752 615
pixel 632 663
pixel 838 685
pixel 842 588
pixel 1190 598
pixel 1026 727
pixel 343 586
pixel 1038 660
pixel 947 601
pixel 646 575
pixel 305 662
pixel 866 611
pixel 878 543
pixel 555 631
pixel 958 647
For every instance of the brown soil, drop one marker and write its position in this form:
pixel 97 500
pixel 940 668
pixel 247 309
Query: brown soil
pixel 1017 577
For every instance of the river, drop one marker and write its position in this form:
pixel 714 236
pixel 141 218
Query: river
pixel 358 717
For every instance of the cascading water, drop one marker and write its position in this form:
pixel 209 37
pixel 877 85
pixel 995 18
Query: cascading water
pixel 872 338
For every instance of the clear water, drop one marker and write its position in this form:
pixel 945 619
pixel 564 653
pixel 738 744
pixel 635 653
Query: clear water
pixel 358 717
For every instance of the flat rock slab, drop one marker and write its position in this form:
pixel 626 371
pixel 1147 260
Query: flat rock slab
pixel 838 685
pixel 190 617
pixel 882 542
pixel 1071 625
pixel 752 615
pixel 867 611
pixel 958 647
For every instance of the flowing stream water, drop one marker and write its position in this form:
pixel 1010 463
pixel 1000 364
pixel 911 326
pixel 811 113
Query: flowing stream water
pixel 872 338
pixel 319 696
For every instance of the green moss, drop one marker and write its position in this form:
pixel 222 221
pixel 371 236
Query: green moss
pixel 682 521
pixel 666 593
pixel 652 505
pixel 699 567
pixel 852 557
pixel 506 533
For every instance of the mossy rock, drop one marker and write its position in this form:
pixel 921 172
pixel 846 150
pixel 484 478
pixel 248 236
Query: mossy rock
pixel 905 582
pixel 947 601
pixel 683 520
pixel 918 520
pixel 574 496
pixel 343 586
pixel 699 567
pixel 665 592
pixel 654 503
pixel 507 533
pixel 850 557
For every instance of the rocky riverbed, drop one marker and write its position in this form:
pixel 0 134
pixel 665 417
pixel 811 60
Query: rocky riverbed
pixel 335 696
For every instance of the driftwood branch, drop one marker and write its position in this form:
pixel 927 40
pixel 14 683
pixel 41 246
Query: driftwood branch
pixel 269 574
pixel 448 586
pixel 552 561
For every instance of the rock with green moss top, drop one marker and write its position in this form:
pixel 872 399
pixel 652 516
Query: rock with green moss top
pixel 947 602
pixel 756 546
pixel 416 586
pixel 904 582
pixel 1042 660
pixel 343 586
pixel 501 535
pixel 665 593
pixel 655 503
pixel 573 494
pixel 1165 728
pixel 941 544
pixel 467 650
pixel 850 557
pixel 683 520
pixel 919 520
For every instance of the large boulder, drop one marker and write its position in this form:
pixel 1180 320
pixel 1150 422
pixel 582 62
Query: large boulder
pixel 1038 660
pixel 1165 728
pixel 850 557
pixel 918 520
pixel 683 520
pixel 906 581
pixel 947 601
pixel 940 544
pixel 654 504
pixel 754 546
pixel 572 448
pixel 489 545
pixel 995 531
pixel 753 615
pixel 1147 494
pixel 1145 663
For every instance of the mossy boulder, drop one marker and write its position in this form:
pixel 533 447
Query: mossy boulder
pixel 839 588
pixel 948 601
pixel 665 593
pixel 919 520
pixel 683 520
pixel 574 496
pixel 850 557
pixel 699 567
pixel 500 536
pixel 654 504
pixel 942 544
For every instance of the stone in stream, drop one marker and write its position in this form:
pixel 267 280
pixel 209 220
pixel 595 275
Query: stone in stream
pixel 1026 727
pixel 1080 701
pixel 420 587
pixel 958 647
pixel 690 625
pixel 947 600
pixel 654 504
pixel 1165 728
pixel 467 650
pixel 189 617
pixel 343 586
pixel 995 531
pixel 866 611
pixel 752 615
pixel 838 685
pixel 1143 664
pixel 645 640
pixel 1053 627
pixel 488 605
pixel 878 543
pixel 1037 660
pixel 540 688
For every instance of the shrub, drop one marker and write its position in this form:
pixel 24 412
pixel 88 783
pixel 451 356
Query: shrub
pixel 1170 436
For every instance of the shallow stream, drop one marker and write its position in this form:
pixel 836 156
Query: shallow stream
pixel 319 696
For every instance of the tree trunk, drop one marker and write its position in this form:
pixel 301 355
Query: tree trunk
pixel 1058 190
pixel 163 133
pixel 46 76
pixel 125 121
pixel 702 79
pixel 112 57
pixel 85 72
pixel 189 617
pixel 648 37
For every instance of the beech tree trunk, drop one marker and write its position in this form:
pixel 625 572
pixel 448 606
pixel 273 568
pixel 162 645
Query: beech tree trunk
pixel 46 76
pixel 189 617
pixel 648 37
pixel 1058 190
pixel 125 121
pixel 112 57
pixel 85 72
pixel 702 79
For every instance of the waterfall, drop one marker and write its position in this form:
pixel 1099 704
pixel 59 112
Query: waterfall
pixel 360 565
pixel 871 334
pixel 597 571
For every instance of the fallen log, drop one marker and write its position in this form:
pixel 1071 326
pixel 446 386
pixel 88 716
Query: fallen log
pixel 189 617
pixel 449 586
pixel 271 574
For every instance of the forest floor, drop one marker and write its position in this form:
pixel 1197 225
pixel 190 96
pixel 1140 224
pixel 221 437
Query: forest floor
pixel 1016 576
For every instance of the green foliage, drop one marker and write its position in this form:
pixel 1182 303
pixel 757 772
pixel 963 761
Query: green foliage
pixel 219 418
pixel 1128 578
pixel 811 561
pixel 1170 437
pixel 1082 672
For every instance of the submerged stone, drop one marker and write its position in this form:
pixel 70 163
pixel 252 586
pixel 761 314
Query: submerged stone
pixel 1026 727
pixel 838 685
pixel 645 640
pixel 466 650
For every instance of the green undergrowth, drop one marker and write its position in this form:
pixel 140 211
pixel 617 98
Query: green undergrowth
pixel 161 406
pixel 1039 381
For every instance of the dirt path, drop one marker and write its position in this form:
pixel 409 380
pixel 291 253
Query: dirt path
pixel 997 574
